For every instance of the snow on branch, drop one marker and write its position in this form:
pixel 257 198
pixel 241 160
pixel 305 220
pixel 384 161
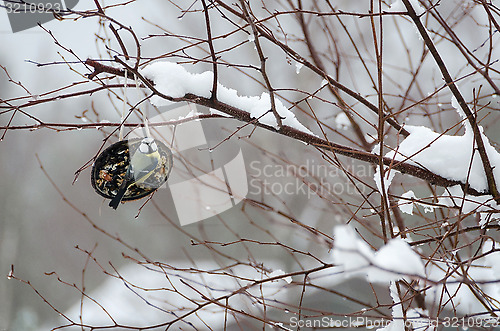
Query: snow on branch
pixel 453 157
pixel 180 85
pixel 395 260
pixel 173 80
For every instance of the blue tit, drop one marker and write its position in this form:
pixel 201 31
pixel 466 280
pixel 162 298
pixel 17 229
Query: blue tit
pixel 142 165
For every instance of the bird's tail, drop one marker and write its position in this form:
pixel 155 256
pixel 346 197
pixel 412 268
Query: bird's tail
pixel 115 202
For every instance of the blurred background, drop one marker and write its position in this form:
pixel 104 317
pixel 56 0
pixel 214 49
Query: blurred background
pixel 44 233
pixel 39 230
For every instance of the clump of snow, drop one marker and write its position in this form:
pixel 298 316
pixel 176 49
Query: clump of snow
pixel 342 121
pixel 173 80
pixel 427 208
pixel 349 251
pixel 459 110
pixel 393 261
pixel 192 114
pixel 452 157
pixel 218 112
pixel 298 66
pixel 279 272
pixel 407 206
pixel 388 177
pixel 448 156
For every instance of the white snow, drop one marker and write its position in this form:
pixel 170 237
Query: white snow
pixel 448 156
pixel 397 323
pixel 173 80
pixel 388 174
pixel 350 252
pixel 342 121
pixel 427 208
pixel 218 112
pixel 407 206
pixel 388 177
pixel 192 114
pixel 393 261
pixel 279 272
pixel 298 66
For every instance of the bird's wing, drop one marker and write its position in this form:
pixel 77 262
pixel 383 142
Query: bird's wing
pixel 139 174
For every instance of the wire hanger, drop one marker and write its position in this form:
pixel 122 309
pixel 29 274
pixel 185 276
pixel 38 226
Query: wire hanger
pixel 120 134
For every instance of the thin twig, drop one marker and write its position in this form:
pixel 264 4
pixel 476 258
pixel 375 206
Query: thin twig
pixel 488 169
pixel 247 12
pixel 212 50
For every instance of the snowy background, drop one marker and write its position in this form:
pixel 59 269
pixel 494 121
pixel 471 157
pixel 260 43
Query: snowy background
pixel 39 230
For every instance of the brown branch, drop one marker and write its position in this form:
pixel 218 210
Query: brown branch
pixel 290 132
pixel 212 50
pixel 490 16
pixel 378 47
pixel 100 68
pixel 120 41
pixel 488 169
pixel 263 59
pixel 75 126
pixel 454 233
pixel 31 103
